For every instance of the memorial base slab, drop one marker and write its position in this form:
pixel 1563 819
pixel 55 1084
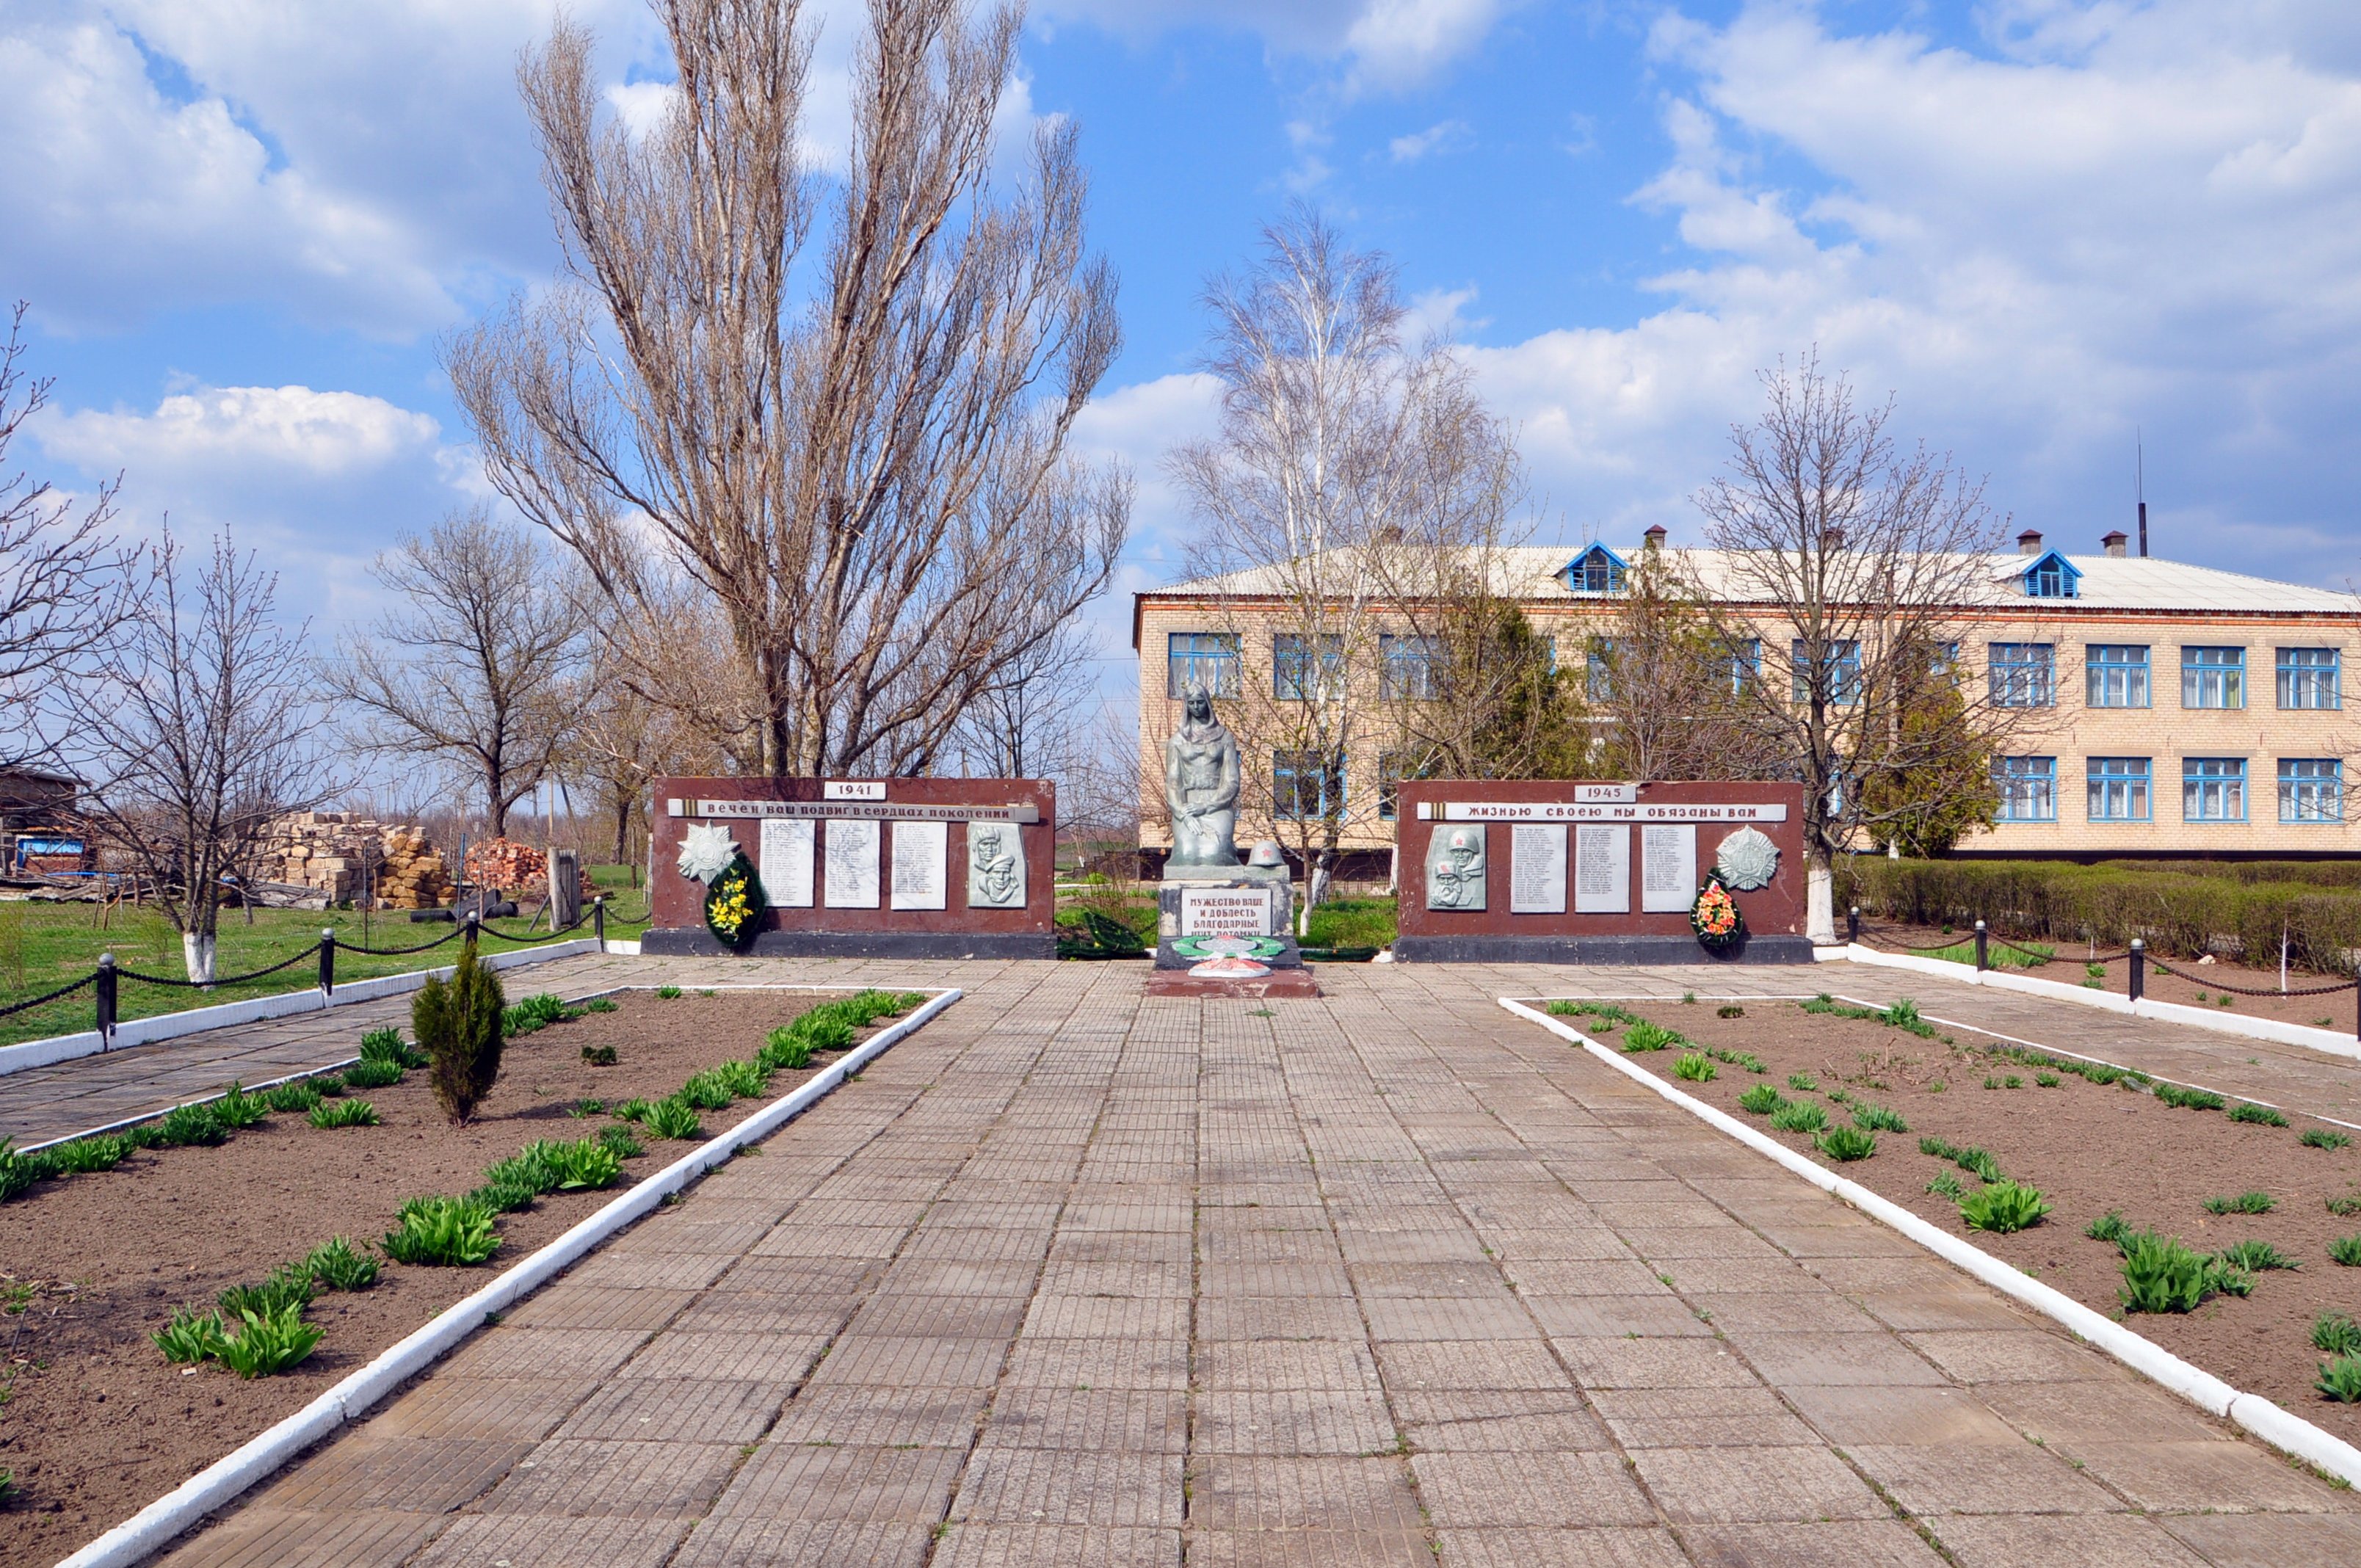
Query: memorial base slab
pixel 696 940
pixel 1477 949
pixel 1280 982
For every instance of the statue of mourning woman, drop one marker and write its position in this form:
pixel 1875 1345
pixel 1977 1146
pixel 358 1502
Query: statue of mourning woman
pixel 1201 776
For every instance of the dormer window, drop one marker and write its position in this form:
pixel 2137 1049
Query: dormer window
pixel 2052 578
pixel 1597 570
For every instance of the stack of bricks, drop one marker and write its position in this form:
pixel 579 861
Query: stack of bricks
pixel 340 856
pixel 504 863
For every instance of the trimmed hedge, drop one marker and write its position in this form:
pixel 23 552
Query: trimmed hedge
pixel 2240 913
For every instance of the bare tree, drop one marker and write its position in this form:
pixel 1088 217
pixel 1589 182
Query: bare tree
pixel 62 575
pixel 623 742
pixel 475 675
pixel 1038 718
pixel 1356 492
pixel 1667 695
pixel 1841 560
pixel 193 733
pixel 859 460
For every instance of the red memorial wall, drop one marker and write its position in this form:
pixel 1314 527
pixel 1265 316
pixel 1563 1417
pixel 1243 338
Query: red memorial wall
pixel 865 868
pixel 1559 870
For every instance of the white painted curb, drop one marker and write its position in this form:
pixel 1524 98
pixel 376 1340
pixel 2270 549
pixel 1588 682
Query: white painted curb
pixel 222 1482
pixel 2331 1041
pixel 2281 1429
pixel 227 1014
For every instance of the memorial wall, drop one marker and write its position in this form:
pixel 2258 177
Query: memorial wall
pixel 854 868
pixel 1571 871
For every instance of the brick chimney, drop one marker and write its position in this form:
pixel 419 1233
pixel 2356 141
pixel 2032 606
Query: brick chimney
pixel 2115 540
pixel 2029 542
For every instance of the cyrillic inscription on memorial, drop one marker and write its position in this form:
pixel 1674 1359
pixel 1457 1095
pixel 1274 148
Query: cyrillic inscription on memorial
pixel 1227 912
pixel 921 854
pixel 851 865
pixel 1537 868
pixel 786 867
pixel 1668 878
pixel 1602 870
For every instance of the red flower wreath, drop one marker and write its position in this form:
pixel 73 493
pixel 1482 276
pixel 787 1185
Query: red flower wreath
pixel 1715 917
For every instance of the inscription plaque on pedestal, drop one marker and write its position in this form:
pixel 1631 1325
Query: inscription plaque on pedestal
pixel 921 857
pixel 1602 870
pixel 787 862
pixel 1229 911
pixel 851 865
pixel 1537 868
pixel 1668 875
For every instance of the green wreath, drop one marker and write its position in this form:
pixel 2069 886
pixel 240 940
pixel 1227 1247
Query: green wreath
pixel 735 905
pixel 1256 946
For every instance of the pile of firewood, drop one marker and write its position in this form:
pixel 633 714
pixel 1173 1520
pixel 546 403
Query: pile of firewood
pixel 508 865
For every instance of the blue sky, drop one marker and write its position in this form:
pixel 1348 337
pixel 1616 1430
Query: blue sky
pixel 2043 224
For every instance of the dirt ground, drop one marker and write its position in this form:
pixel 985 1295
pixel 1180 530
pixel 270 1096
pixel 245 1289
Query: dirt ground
pixel 96 1423
pixel 2089 1149
pixel 2333 1010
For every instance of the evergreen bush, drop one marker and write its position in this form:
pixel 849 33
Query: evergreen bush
pixel 457 1023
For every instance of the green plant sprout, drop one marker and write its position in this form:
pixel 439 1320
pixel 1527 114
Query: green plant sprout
pixel 1694 1066
pixel 2323 1138
pixel 2003 1207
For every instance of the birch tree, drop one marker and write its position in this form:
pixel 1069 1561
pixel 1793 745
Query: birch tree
pixel 1844 559
pixel 837 403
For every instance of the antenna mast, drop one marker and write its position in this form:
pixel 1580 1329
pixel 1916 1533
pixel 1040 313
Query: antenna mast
pixel 2139 485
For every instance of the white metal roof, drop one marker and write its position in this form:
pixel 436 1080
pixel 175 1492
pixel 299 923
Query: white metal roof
pixel 2107 582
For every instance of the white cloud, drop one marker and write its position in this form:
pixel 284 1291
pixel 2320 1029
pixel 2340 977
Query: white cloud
pixel 229 428
pixel 1383 45
pixel 1401 43
pixel 2113 217
pixel 1445 136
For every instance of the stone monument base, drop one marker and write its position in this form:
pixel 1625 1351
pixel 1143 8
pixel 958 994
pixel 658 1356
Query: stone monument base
pixel 1296 981
pixel 1480 949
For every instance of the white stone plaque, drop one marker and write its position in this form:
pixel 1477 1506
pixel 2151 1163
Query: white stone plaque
pixel 1602 870
pixel 921 864
pixel 787 867
pixel 1668 875
pixel 1228 912
pixel 852 789
pixel 995 866
pixel 1456 868
pixel 851 865
pixel 1537 868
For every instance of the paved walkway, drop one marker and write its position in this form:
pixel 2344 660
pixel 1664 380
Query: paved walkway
pixel 1076 1277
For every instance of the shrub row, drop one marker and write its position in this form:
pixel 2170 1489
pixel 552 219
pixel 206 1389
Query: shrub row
pixel 2241 911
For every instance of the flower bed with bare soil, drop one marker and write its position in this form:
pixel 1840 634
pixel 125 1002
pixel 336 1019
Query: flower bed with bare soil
pixel 1836 1079
pixel 97 1422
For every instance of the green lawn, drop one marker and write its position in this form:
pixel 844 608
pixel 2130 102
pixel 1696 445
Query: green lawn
pixel 1353 923
pixel 44 946
pixel 1997 953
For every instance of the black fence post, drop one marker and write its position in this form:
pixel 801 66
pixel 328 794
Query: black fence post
pixel 598 920
pixel 1852 925
pixel 476 923
pixel 2139 968
pixel 107 982
pixel 1983 938
pixel 328 960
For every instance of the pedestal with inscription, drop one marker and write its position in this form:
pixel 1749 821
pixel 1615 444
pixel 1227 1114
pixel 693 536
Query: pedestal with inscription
pixel 864 868
pixel 1227 938
pixel 1556 870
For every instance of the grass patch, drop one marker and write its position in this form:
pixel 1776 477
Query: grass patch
pixel 345 1113
pixel 1803 1082
pixel 1845 1144
pixel 1644 1036
pixel 1760 1099
pixel 1997 955
pixel 1693 1067
pixel 2256 1257
pixel 1800 1116
pixel 2340 1379
pixel 2181 1098
pixel 2323 1138
pixel 1878 1119
pixel 2243 1203
pixel 2347 1251
pixel 442 1233
pixel 2259 1115
pixel 2003 1208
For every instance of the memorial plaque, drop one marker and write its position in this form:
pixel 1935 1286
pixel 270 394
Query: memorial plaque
pixel 1668 875
pixel 921 864
pixel 1227 912
pixel 1602 870
pixel 851 874
pixel 787 864
pixel 995 866
pixel 1456 868
pixel 1537 868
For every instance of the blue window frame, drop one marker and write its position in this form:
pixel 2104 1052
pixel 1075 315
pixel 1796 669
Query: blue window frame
pixel 1406 668
pixel 1392 768
pixel 1843 662
pixel 2312 789
pixel 2308 678
pixel 1597 570
pixel 2212 677
pixel 2028 788
pixel 1307 786
pixel 2024 675
pixel 2116 675
pixel 1208 658
pixel 1291 679
pixel 1741 662
pixel 2120 789
pixel 1599 670
pixel 2213 789
pixel 2052 578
